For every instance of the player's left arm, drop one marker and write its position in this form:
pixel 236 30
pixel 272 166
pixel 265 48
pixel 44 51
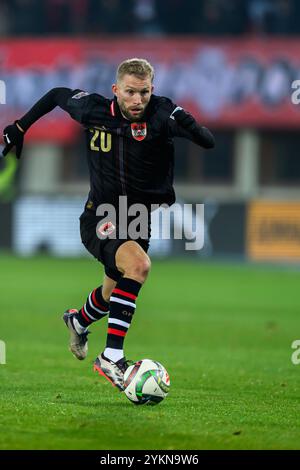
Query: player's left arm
pixel 180 123
pixel 183 124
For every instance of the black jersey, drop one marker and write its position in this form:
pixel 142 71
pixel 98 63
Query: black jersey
pixel 125 158
pixel 133 159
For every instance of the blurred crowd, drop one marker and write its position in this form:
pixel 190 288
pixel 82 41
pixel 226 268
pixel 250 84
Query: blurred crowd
pixel 149 17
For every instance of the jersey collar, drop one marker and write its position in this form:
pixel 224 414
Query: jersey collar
pixel 115 110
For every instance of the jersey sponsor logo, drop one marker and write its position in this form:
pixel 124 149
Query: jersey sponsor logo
pixel 6 138
pixel 178 108
pixel 139 130
pixel 126 313
pixel 89 205
pixel 80 95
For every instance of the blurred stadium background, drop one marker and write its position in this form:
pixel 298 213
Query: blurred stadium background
pixel 232 64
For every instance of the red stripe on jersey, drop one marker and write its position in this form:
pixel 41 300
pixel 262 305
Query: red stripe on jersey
pixel 112 331
pixel 126 294
pixel 85 317
pixel 112 108
pixel 97 303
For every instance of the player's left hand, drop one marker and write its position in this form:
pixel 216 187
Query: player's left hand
pixel 184 119
pixel 13 137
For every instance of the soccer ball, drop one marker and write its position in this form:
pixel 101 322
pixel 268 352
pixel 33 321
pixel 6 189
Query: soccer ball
pixel 146 382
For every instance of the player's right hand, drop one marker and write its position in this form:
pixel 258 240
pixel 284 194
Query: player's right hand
pixel 13 137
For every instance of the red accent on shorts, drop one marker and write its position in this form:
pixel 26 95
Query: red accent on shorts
pixel 112 331
pixel 126 294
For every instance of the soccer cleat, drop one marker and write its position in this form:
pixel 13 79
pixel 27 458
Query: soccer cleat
pixel 78 342
pixel 112 371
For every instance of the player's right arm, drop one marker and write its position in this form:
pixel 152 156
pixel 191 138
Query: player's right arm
pixel 13 135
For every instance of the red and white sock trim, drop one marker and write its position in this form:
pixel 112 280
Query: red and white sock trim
pixel 93 303
pixel 116 321
pixel 121 301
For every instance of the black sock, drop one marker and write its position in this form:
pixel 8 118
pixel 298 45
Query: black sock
pixel 94 308
pixel 122 307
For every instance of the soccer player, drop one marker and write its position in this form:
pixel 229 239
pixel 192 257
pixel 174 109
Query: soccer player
pixel 130 153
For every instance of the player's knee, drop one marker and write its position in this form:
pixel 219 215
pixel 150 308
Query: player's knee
pixel 139 269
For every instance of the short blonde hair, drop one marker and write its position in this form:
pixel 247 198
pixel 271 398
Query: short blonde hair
pixel 139 67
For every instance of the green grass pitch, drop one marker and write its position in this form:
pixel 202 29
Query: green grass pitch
pixel 224 333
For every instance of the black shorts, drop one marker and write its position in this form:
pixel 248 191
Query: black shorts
pixel 104 250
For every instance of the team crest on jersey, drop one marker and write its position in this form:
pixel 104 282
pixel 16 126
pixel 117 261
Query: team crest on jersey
pixel 139 130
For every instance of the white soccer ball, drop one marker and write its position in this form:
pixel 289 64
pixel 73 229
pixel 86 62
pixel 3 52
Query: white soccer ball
pixel 146 382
